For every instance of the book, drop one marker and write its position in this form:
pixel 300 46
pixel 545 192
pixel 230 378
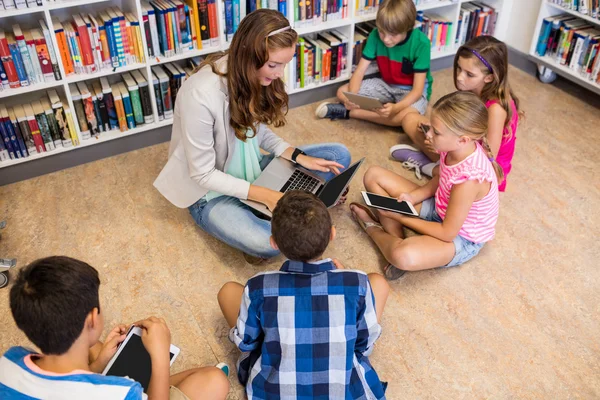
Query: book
pixel 30 43
pixel 60 118
pixel 43 55
pixel 88 108
pixel 53 127
pixel 27 61
pixel 119 107
pixel 103 120
pixel 134 94
pixel 13 128
pixel 8 136
pixel 165 92
pixel 80 112
pixel 50 49
pixel 158 97
pixel 42 122
pixel 145 96
pixel 71 125
pixel 127 106
pixel 25 130
pixel 8 63
pixel 33 127
pixel 17 59
pixel 109 104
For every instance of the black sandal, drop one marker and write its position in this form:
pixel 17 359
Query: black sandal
pixel 392 273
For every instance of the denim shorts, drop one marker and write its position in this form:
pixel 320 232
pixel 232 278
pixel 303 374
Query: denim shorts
pixel 464 249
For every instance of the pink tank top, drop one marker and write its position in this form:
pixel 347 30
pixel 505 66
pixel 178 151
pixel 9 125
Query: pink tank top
pixel 507 146
pixel 480 224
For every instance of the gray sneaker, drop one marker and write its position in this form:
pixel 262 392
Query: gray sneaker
pixel 332 111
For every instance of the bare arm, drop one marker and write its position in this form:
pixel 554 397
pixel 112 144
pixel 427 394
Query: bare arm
pixel 426 191
pixel 496 119
pixel 414 95
pixel 358 75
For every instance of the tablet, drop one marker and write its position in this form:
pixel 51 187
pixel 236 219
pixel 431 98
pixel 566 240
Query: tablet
pixel 389 204
pixel 364 102
pixel 133 361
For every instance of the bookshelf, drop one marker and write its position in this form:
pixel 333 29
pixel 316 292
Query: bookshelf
pixel 28 17
pixel 550 8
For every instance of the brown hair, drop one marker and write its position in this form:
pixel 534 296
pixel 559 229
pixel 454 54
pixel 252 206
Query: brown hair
pixel 396 16
pixel 301 226
pixel 466 115
pixel 250 103
pixel 495 53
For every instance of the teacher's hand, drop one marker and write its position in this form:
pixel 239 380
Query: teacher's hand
pixel 319 164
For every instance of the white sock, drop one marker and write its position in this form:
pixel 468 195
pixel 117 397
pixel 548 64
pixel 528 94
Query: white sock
pixel 428 169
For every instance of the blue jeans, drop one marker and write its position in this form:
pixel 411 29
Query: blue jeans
pixel 464 249
pixel 231 221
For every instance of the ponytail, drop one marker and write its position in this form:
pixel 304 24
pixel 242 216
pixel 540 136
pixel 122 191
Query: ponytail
pixel 497 168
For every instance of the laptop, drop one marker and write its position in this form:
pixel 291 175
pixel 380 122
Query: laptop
pixel 283 175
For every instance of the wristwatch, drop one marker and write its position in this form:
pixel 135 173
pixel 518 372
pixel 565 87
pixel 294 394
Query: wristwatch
pixel 295 155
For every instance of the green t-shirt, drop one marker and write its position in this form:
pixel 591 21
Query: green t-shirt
pixel 398 64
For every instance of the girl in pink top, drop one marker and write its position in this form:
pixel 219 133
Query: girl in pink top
pixel 458 208
pixel 480 67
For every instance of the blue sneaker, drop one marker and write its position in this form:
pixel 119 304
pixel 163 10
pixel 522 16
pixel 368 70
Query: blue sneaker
pixel 332 111
pixel 412 158
pixel 223 367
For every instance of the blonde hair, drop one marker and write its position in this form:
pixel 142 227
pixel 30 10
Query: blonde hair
pixel 250 103
pixel 396 16
pixel 466 115
pixel 495 53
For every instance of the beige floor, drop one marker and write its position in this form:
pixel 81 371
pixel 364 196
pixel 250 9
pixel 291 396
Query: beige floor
pixel 519 321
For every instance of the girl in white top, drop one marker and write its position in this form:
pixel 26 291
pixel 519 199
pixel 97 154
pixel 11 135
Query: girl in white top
pixel 219 127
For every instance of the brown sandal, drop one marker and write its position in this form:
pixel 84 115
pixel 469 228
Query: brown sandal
pixel 365 225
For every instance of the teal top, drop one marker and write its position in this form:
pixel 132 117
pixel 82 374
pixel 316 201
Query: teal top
pixel 244 164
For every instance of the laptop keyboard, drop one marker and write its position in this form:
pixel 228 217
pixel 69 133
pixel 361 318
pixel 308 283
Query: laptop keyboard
pixel 300 181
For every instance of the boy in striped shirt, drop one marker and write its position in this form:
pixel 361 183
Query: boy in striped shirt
pixel 55 302
pixel 306 331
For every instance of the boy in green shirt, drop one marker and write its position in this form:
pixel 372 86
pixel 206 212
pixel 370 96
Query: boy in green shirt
pixel 403 55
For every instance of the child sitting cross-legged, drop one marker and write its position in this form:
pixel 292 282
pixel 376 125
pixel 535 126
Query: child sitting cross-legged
pixel 306 331
pixel 55 302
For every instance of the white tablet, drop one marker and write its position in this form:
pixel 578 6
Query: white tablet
pixel 132 360
pixel 389 204
pixel 364 102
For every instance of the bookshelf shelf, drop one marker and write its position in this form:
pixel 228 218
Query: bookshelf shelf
pixel 449 9
pixel 23 11
pixel 323 26
pixel 28 89
pixel 84 77
pixel 184 56
pixel 573 12
pixel 549 9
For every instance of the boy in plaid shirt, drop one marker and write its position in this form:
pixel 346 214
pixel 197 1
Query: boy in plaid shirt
pixel 306 331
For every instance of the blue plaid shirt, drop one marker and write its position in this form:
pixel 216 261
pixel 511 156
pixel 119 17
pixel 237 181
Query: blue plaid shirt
pixel 305 332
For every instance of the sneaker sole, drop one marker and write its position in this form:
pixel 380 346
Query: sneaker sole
pixel 401 147
pixel 321 110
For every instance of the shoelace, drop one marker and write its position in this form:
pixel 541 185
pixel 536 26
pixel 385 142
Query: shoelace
pixel 411 163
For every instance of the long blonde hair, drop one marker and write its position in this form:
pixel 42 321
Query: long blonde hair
pixel 250 103
pixel 495 53
pixel 466 115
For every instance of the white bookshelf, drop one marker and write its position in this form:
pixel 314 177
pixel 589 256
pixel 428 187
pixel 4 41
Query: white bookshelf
pixel 548 9
pixel 29 17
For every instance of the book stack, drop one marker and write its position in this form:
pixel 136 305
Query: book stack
pixel 439 30
pixel 89 44
pixel 167 79
pixel 319 57
pixel 361 34
pixel 368 7
pixel 27 56
pixel 475 19
pixel 102 107
pixel 307 12
pixel 587 7
pixel 572 42
pixel 19 4
pixel 36 127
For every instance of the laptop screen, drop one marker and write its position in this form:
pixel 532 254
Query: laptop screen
pixel 333 189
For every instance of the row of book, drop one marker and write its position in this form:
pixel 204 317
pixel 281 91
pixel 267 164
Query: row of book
pixel 438 29
pixel 361 34
pixel 202 23
pixel 19 4
pixel 235 10
pixel 319 57
pixel 89 44
pixel 101 107
pixel 586 7
pixel 571 42
pixel 309 12
pixel 36 127
pixel 475 19
pixel 367 7
pixel 27 57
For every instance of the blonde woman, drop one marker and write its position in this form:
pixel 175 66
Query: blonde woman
pixel 458 208
pixel 220 126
